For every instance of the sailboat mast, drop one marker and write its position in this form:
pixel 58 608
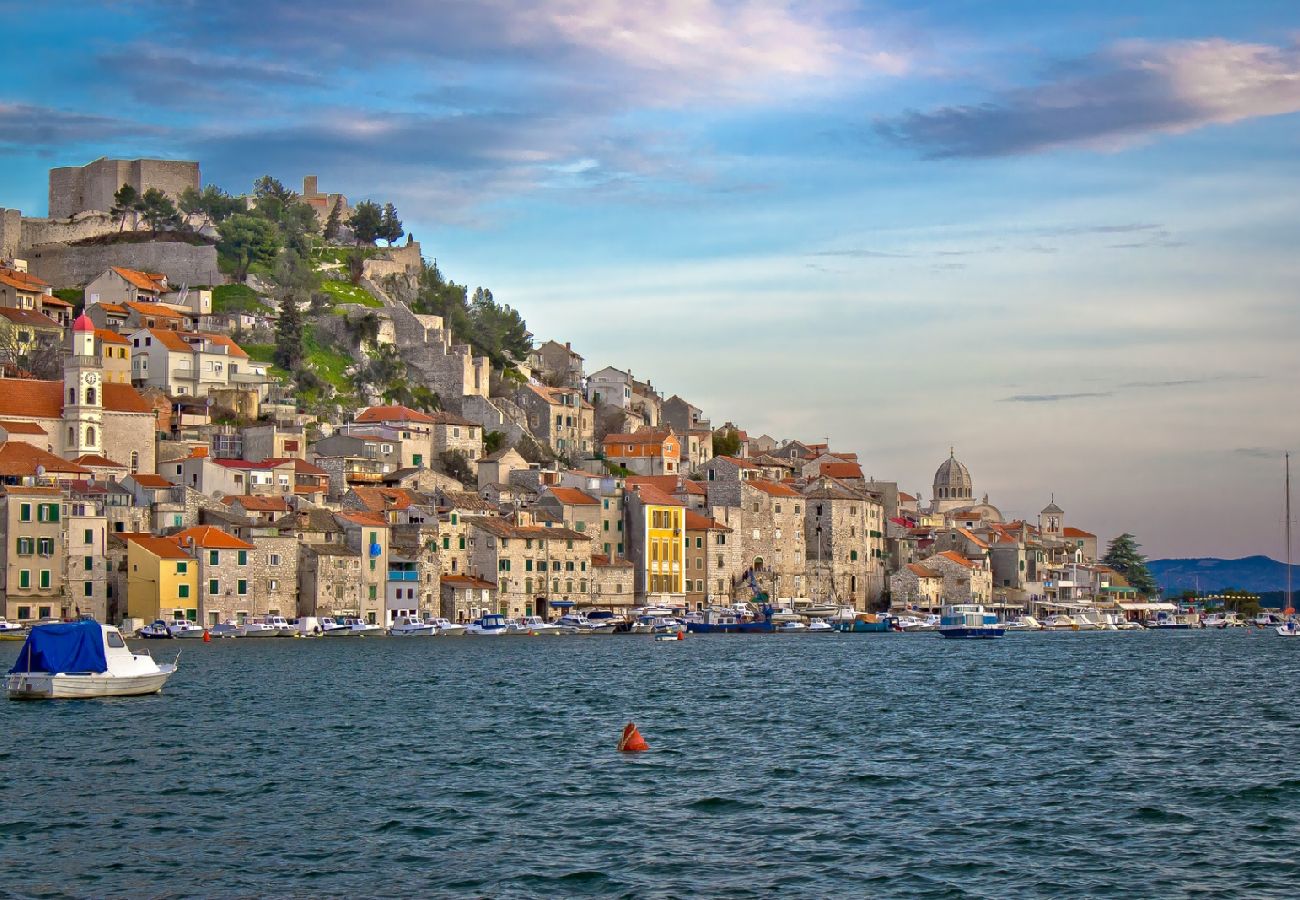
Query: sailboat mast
pixel 1288 604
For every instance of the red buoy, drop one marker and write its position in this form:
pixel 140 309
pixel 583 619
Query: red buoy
pixel 631 741
pixel 681 635
pixel 207 636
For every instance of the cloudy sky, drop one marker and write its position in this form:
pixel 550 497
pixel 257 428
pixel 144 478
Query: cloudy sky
pixel 1060 237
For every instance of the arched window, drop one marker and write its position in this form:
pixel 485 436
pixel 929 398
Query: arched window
pixel 90 435
pixel 72 436
pixel 90 396
pixel 72 396
pixel 135 460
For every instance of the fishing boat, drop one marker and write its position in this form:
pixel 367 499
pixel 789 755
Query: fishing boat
pixel 184 629
pixel 226 630
pixel 410 626
pixel 918 623
pixel 261 628
pixel 156 630
pixel 447 628
pixel 969 620
pixel 11 631
pixel 820 626
pixel 865 623
pixel 792 628
pixel 82 659
pixel 362 628
pixel 488 626
pixel 1227 619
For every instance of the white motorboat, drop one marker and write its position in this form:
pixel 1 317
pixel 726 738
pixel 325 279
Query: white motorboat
pixel 783 615
pixel 11 631
pixel 534 625
pixel 156 630
pixel 226 630
pixel 1290 629
pixel 919 623
pixel 283 627
pixel 261 628
pixel 586 625
pixel 82 659
pixel 488 626
pixel 331 627
pixel 1268 619
pixel 643 625
pixel 181 628
pixel 446 628
pixel 362 628
pixel 820 626
pixel 604 622
pixel 1022 623
pixel 409 626
pixel 1085 623
pixel 792 628
pixel 1060 622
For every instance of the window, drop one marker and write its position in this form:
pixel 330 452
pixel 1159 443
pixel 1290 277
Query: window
pixel 26 546
pixel 699 543
pixel 372 592
pixel 214 557
pixel 275 559
pixel 241 587
pixel 446 542
pixel 853 556
pixel 183 591
pixel 24 512
pixel 243 557
pixel 90 396
pixel 89 537
pixel 24 578
pixel 273 584
pixel 214 586
pixel 47 512
pixel 182 568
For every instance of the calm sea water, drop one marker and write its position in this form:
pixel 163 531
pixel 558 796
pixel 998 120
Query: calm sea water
pixel 1148 764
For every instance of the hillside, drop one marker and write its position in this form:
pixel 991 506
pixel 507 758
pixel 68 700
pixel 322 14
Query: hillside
pixel 1251 573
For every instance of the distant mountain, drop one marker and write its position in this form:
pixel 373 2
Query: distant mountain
pixel 1256 574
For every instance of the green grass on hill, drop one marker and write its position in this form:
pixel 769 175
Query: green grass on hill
pixel 227 298
pixel 328 363
pixel 344 293
pixel 265 353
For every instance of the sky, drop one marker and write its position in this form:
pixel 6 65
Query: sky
pixel 1058 237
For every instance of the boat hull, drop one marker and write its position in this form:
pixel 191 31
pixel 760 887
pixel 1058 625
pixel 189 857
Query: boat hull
pixel 972 633
pixel 44 686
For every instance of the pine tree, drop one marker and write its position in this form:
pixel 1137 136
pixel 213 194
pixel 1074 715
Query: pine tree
pixel 334 221
pixel 366 222
pixel 288 335
pixel 390 227
pixel 1124 556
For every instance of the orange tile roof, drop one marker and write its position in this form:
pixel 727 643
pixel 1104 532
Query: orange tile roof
pixel 393 414
pixel 145 281
pixel 697 522
pixel 1077 532
pixel 644 436
pixel 209 537
pixel 972 538
pixel 257 503
pixel 666 483
pixel 380 499
pixel 21 427
pixel 736 460
pixel 695 487
pixel 157 310
pixel 94 459
pixel 110 337
pixel 23 281
pixel 652 496
pixel 957 558
pixel 150 480
pixel 162 547
pixel 841 470
pixel 905 497
pixel 573 497
pixel 51 300
pixel 923 571
pixel 363 518
pixel 772 488
pixel 602 561
pixel 115 308
pixel 19 459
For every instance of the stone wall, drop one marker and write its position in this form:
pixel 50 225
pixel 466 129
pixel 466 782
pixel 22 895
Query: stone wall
pixel 403 260
pixel 74 189
pixel 66 266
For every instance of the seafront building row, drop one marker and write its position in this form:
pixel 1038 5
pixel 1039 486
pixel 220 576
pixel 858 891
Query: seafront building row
pixel 169 474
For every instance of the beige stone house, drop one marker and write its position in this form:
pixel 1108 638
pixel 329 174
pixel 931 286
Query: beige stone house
pixel 538 570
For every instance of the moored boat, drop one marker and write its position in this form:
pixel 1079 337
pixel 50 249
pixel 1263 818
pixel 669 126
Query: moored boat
pixel 1022 623
pixel 447 628
pixel 866 623
pixel 11 631
pixel 1290 629
pixel 227 630
pixel 261 628
pixel 82 659
pixel 410 626
pixel 491 625
pixel 183 629
pixel 820 626
pixel 969 620
pixel 361 628
pixel 156 630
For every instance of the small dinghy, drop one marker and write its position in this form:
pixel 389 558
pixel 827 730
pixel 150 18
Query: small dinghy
pixel 82 659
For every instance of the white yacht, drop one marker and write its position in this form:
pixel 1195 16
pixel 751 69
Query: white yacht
pixel 227 630
pixel 792 627
pixel 410 626
pixel 82 659
pixel 919 623
pixel 488 626
pixel 181 628
pixel 587 626
pixel 11 630
pixel 447 628
pixel 331 627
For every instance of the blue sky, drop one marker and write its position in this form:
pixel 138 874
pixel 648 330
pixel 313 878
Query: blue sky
pixel 1058 236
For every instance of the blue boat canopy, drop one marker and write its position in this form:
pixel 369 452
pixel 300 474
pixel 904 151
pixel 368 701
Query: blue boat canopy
pixel 68 647
pixel 562 603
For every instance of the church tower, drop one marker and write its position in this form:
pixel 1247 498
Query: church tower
pixel 953 487
pixel 83 393
pixel 1051 521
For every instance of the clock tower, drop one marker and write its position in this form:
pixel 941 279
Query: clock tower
pixel 83 393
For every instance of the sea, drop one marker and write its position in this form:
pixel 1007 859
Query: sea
pixel 1152 764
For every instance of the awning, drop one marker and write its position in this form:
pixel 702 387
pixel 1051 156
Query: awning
pixel 559 603
pixel 1147 607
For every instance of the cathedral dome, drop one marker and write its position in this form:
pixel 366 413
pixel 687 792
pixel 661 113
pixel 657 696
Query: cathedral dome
pixel 952 481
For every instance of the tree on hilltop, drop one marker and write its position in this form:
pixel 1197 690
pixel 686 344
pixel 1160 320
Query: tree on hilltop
pixel 334 221
pixel 212 202
pixel 158 211
pixel 726 442
pixel 366 222
pixel 126 202
pixel 390 227
pixel 246 240
pixel 1125 557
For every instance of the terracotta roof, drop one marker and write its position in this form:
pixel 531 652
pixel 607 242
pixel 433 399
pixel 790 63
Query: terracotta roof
pixel 393 414
pixel 98 461
pixel 300 466
pixel 573 497
pixel 149 480
pixel 667 483
pixel 21 427
pixel 379 499
pixel 972 538
pixel 110 337
pixel 772 488
pixel 28 317
pixel 261 465
pixel 114 308
pixel 922 571
pixel 19 490
pixel 23 281
pixel 904 497
pixel 697 522
pixel 652 496
pixel 309 488
pixel 956 557
pixel 19 459
pixel 51 300
pixel 695 487
pixel 257 503
pixel 841 470
pixel 504 529
pixel 645 436
pixel 736 460
pixel 145 281
pixel 600 560
pixel 157 310
pixel 363 518
pixel 163 547
pixel 209 537
pixel 44 399
pixel 1077 533
pixel 467 581
pixel 176 340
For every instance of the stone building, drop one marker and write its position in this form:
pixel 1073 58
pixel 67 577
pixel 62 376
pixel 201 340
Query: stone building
pixel 369 535
pixel 538 570
pixel 466 598
pixel 703 585
pixel 569 507
pixel 650 451
pixel 916 586
pixel 224 566
pixel 32 555
pixel 612 582
pixel 558 364
pixel 964 580
pixel 767 519
pixel 844 535
pixel 559 418
pixel 329 580
pixel 80 189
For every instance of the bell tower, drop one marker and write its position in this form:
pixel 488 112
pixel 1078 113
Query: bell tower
pixel 1051 521
pixel 83 393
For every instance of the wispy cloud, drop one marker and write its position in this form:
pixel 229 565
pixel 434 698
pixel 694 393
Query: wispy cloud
pixel 1126 93
pixel 24 126
pixel 1053 398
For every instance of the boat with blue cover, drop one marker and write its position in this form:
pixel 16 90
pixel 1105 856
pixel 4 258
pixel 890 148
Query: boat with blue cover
pixel 82 659
pixel 866 623
pixel 969 620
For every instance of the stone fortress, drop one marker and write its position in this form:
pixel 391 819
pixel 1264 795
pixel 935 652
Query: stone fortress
pixel 90 188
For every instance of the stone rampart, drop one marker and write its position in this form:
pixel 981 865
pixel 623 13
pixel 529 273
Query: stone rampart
pixel 68 266
pixel 76 189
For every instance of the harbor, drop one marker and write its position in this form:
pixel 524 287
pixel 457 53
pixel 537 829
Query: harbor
pixel 1065 763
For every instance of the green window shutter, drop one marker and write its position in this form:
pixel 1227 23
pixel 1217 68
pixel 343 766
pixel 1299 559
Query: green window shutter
pixel 89 537
pixel 214 557
pixel 372 592
pixel 182 568
pixel 243 557
pixel 90 563
pixel 446 542
pixel 462 542
pixel 24 578
pixel 214 586
pixel 24 512
pixel 183 591
pixel 241 587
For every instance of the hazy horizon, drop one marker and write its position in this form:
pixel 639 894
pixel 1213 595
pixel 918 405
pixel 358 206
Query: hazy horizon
pixel 1060 239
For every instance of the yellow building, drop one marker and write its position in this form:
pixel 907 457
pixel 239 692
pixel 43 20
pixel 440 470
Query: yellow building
pixel 162 580
pixel 658 538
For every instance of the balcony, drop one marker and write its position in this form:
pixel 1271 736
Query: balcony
pixel 403 575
